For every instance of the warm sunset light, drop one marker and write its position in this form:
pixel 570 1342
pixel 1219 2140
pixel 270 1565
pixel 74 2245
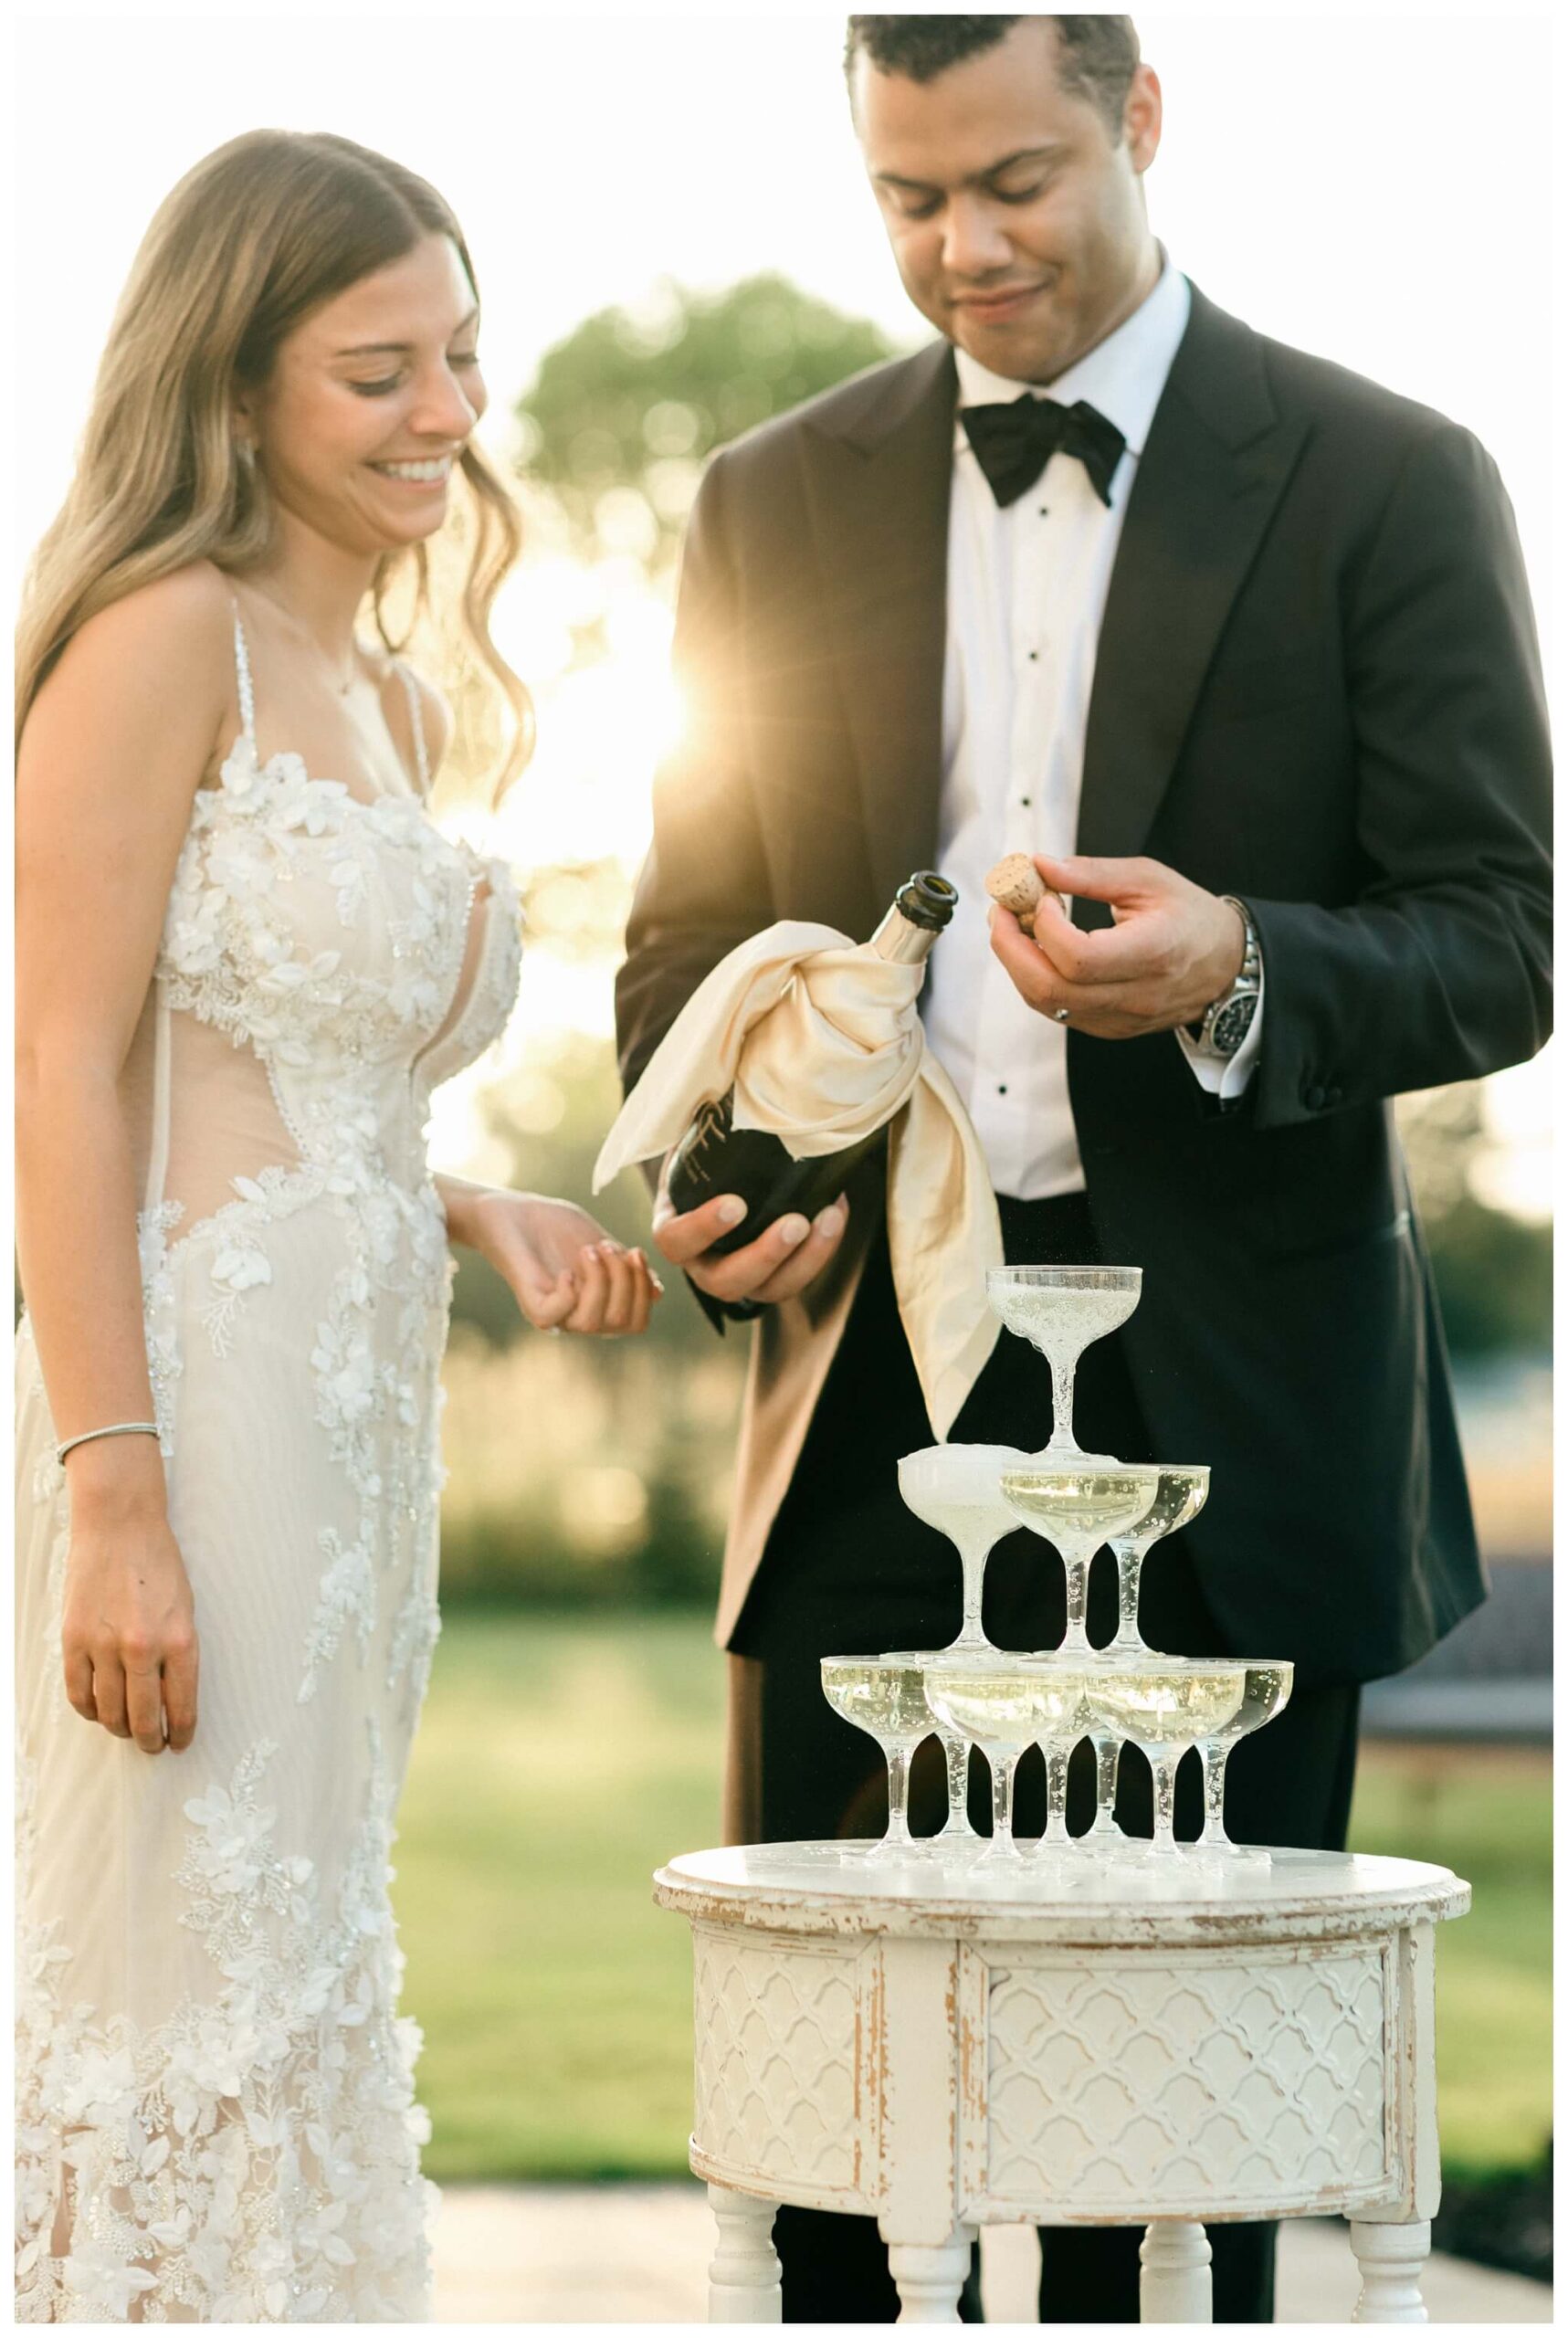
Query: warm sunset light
pixel 784 791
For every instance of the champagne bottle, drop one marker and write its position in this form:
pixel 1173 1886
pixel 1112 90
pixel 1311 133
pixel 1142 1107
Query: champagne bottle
pixel 715 1157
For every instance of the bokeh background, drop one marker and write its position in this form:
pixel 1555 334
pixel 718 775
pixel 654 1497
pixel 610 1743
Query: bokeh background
pixel 674 241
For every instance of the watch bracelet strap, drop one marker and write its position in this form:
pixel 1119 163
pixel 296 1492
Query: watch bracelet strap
pixel 1246 983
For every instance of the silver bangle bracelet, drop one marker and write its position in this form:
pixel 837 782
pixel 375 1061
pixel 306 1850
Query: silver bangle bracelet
pixel 120 1428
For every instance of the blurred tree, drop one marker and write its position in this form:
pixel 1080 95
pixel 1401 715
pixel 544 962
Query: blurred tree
pixel 627 409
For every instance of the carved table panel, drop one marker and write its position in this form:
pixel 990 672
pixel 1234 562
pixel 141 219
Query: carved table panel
pixel 1148 2044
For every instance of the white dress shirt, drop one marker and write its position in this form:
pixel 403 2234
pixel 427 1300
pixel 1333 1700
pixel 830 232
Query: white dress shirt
pixel 1025 594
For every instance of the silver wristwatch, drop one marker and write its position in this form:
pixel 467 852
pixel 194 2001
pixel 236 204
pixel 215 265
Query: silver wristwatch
pixel 1228 1020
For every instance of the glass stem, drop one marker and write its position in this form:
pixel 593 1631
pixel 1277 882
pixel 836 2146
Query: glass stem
pixel 1063 1372
pixel 957 1752
pixel 973 1563
pixel 1107 1762
pixel 1076 1635
pixel 1129 1568
pixel 1164 1769
pixel 1056 1753
pixel 1213 1757
pixel 897 1794
pixel 1001 1768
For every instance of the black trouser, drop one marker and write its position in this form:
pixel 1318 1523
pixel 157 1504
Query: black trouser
pixel 849 1570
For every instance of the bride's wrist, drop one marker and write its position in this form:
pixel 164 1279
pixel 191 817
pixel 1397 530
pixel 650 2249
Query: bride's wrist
pixel 463 1203
pixel 117 1478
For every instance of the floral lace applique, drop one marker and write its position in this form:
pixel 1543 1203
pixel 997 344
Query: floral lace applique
pixel 415 1633
pixel 254 2159
pixel 347 1597
pixel 163 1364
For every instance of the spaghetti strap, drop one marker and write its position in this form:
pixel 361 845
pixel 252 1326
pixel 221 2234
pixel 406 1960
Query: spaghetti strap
pixel 242 675
pixel 417 718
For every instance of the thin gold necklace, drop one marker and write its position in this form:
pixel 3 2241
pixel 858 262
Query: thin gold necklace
pixel 341 688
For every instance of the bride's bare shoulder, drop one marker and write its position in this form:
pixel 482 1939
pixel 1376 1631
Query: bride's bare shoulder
pixel 188 613
pixel 179 629
pixel 150 677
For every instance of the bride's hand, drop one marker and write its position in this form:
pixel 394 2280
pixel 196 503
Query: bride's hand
pixel 127 1635
pixel 565 1271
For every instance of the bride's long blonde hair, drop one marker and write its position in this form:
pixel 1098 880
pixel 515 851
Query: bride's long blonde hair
pixel 250 241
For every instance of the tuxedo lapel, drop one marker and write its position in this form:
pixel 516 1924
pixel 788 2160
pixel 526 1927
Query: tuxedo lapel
pixel 1213 465
pixel 878 484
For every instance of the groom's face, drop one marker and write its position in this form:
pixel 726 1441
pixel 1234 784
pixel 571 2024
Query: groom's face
pixel 1015 215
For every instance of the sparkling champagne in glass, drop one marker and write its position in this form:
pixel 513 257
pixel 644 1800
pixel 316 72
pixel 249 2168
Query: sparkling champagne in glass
pixel 1062 1311
pixel 1077 1507
pixel 993 1702
pixel 885 1697
pixel 1164 1705
pixel 1063 1713
pixel 955 1488
pixel 1182 1493
pixel 1267 1693
pixel 956 1750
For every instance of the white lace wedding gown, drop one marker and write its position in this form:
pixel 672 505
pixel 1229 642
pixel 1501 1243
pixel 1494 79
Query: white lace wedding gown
pixel 215 2110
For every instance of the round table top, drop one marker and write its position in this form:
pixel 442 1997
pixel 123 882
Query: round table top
pixel 1216 1897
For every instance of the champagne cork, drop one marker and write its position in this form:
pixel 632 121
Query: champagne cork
pixel 1016 884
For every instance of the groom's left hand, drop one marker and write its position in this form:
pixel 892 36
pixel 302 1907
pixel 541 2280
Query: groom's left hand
pixel 1170 952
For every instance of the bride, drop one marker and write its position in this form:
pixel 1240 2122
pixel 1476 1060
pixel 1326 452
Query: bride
pixel 245 956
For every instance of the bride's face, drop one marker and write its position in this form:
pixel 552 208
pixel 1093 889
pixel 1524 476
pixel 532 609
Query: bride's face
pixel 370 401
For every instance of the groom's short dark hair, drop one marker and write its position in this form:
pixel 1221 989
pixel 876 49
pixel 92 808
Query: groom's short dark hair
pixel 1096 55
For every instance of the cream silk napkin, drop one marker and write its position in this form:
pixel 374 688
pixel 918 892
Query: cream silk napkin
pixel 823 1043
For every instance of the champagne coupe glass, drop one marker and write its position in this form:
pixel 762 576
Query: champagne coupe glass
pixel 1062 1309
pixel 954 1489
pixel 885 1697
pixel 955 1747
pixel 1063 1713
pixel 1165 1703
pixel 1078 1509
pixel 993 1702
pixel 1182 1493
pixel 1268 1692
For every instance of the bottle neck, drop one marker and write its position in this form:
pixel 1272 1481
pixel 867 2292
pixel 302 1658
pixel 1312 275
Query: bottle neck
pixel 901 941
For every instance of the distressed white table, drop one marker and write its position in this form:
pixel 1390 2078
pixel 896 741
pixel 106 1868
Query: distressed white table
pixel 1166 2045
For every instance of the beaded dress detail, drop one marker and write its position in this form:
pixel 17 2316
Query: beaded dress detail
pixel 216 2114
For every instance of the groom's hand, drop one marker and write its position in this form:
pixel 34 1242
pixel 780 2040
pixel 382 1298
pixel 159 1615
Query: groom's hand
pixel 1171 953
pixel 782 1260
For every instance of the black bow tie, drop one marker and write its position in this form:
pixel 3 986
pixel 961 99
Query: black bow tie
pixel 1014 443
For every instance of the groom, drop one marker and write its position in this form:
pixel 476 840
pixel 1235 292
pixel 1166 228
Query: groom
pixel 1239 646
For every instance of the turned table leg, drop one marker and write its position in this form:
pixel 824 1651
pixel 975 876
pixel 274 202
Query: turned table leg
pixel 744 2278
pixel 1176 2284
pixel 1391 2257
pixel 929 2275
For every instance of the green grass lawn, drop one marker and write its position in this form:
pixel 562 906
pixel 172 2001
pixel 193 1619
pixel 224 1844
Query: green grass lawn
pixel 560 1762
pixel 563 1758
pixel 1488 1815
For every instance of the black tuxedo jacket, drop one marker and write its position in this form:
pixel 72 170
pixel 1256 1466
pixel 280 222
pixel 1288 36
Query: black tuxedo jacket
pixel 1317 688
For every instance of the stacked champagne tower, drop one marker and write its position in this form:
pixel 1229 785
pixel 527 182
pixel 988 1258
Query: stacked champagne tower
pixel 973 1694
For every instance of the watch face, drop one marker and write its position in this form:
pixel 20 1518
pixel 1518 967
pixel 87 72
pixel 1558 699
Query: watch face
pixel 1232 1024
